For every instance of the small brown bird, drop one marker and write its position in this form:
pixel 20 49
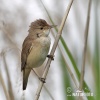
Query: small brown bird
pixel 35 48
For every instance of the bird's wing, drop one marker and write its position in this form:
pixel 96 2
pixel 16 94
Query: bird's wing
pixel 26 48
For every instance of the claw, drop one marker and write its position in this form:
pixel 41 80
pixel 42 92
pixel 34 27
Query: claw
pixel 50 56
pixel 42 79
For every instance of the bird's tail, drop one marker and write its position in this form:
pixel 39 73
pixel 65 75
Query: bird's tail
pixel 26 73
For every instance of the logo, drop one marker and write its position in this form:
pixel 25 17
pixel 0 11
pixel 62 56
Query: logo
pixel 69 90
pixel 77 92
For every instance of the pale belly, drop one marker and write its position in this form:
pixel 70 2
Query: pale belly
pixel 39 52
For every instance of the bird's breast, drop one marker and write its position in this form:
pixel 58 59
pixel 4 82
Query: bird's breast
pixel 44 41
pixel 39 51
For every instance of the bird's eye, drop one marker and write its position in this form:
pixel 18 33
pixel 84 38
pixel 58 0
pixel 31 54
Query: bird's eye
pixel 41 28
pixel 38 35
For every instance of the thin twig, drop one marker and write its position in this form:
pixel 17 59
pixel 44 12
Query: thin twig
pixel 69 70
pixel 48 14
pixel 4 88
pixel 67 66
pixel 53 50
pixel 10 91
pixel 49 92
pixel 44 85
pixel 85 47
pixel 66 48
pixel 3 84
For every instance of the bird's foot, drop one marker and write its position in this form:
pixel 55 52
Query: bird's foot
pixel 50 56
pixel 42 79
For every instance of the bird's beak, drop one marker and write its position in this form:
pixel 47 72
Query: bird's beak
pixel 52 26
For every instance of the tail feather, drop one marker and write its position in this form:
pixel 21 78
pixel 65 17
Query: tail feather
pixel 26 73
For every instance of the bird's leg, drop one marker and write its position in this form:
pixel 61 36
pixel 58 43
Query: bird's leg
pixel 35 73
pixel 40 78
pixel 50 56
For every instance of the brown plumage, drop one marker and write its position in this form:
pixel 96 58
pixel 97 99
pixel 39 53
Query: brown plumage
pixel 35 48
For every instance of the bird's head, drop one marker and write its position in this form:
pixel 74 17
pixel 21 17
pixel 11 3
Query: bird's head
pixel 40 28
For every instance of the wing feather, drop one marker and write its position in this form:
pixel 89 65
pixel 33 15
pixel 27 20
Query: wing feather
pixel 26 48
